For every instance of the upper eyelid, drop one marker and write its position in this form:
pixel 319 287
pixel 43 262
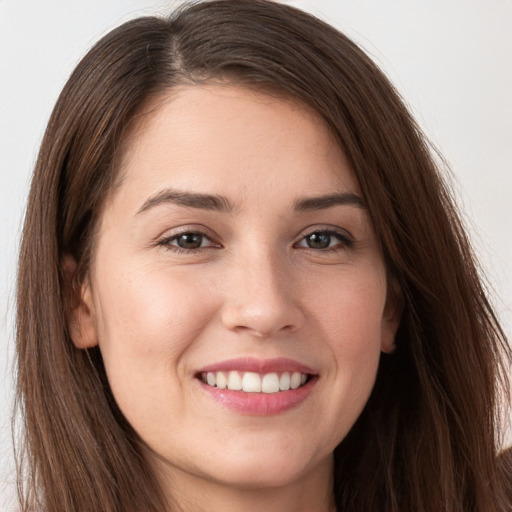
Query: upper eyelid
pixel 214 238
pixel 345 239
pixel 166 242
pixel 325 228
pixel 175 236
pixel 171 235
pixel 181 230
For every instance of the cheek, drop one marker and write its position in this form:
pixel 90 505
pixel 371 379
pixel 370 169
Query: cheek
pixel 355 342
pixel 146 321
pixel 350 311
pixel 351 320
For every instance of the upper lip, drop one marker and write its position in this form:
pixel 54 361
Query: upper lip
pixel 261 366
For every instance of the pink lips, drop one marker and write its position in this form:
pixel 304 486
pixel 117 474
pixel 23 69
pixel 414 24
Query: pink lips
pixel 260 404
pixel 250 364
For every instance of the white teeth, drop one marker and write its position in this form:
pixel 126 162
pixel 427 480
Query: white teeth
pixel 295 380
pixel 222 381
pixel 270 383
pixel 251 382
pixel 234 381
pixel 284 382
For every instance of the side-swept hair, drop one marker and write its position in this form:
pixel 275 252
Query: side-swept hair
pixel 427 441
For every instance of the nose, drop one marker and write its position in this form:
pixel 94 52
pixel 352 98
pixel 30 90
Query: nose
pixel 261 297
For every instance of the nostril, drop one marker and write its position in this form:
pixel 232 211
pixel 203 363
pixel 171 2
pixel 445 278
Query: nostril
pixel 262 325
pixel 262 308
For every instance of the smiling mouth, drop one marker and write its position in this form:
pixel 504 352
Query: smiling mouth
pixel 252 382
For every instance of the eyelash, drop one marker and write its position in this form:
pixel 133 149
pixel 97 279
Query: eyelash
pixel 345 241
pixel 166 242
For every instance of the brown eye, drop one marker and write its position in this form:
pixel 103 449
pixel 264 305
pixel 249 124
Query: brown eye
pixel 318 240
pixel 325 240
pixel 189 240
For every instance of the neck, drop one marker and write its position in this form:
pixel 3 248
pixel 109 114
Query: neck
pixel 310 492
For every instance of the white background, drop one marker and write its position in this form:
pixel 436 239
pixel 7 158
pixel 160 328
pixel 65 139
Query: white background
pixel 451 60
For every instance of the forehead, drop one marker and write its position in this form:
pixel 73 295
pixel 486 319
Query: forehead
pixel 229 139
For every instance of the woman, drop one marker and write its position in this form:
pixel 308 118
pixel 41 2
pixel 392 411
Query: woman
pixel 243 284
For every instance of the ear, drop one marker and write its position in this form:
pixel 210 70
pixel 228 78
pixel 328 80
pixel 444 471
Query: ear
pixel 391 317
pixel 79 307
pixel 389 328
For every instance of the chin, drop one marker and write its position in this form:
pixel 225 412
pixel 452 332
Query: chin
pixel 268 465
pixel 268 473
pixel 264 465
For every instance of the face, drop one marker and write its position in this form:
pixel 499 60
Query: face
pixel 236 252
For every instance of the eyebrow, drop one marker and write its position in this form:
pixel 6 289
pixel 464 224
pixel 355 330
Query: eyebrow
pixel 328 201
pixel 188 199
pixel 214 202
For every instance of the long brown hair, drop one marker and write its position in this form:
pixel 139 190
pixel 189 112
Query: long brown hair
pixel 427 441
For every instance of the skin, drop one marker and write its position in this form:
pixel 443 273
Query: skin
pixel 254 288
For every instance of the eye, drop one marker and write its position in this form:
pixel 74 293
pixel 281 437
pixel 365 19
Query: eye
pixel 325 240
pixel 187 241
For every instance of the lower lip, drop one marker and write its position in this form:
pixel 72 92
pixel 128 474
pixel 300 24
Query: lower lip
pixel 260 404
